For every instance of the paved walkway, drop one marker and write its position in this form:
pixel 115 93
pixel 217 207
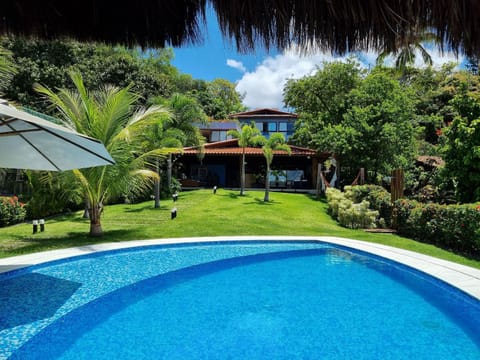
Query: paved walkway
pixel 460 276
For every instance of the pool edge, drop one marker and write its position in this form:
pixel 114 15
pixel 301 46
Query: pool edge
pixel 460 276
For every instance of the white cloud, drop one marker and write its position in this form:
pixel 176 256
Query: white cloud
pixel 263 87
pixel 236 65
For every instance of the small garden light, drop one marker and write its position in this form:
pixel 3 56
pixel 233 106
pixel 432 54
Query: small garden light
pixel 173 213
pixel 42 225
pixel 35 226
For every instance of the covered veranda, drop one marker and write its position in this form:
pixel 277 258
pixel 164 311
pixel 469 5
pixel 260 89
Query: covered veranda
pixel 219 164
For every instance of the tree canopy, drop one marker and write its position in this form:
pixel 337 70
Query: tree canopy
pixel 365 121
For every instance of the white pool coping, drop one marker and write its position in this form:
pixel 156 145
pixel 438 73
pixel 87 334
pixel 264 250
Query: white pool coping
pixel 462 277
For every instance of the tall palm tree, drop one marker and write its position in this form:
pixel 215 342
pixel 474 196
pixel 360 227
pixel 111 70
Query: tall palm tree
pixel 275 142
pixel 406 50
pixel 249 135
pixel 108 115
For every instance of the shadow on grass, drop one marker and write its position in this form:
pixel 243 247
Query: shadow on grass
pixel 232 195
pixel 138 209
pixel 313 197
pixel 72 239
pixel 260 201
pixel 69 217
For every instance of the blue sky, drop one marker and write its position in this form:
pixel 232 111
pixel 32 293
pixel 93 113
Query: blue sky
pixel 208 61
pixel 261 76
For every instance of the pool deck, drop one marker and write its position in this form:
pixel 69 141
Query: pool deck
pixel 462 277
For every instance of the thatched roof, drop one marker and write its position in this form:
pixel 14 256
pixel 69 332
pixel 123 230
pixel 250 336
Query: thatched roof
pixel 337 25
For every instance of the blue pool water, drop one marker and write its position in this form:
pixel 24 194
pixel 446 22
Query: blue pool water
pixel 234 301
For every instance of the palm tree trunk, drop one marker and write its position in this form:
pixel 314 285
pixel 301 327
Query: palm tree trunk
pixel 95 224
pixel 169 172
pixel 267 185
pixel 156 185
pixel 86 210
pixel 242 180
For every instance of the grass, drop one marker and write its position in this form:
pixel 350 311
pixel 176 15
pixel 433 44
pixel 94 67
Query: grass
pixel 200 213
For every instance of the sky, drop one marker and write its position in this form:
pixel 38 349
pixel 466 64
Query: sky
pixel 260 76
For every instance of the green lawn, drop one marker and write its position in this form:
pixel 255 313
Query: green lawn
pixel 200 213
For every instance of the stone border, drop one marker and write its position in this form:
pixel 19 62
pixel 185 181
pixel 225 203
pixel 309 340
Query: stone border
pixel 462 277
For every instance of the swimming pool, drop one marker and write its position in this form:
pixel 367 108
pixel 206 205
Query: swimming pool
pixel 234 300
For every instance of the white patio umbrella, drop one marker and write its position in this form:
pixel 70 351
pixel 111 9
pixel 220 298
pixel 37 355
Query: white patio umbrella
pixel 29 142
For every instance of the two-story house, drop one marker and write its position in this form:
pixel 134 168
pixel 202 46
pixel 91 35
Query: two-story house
pixel 219 161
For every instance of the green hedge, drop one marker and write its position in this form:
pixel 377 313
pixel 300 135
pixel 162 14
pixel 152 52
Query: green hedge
pixel 455 227
pixel 12 211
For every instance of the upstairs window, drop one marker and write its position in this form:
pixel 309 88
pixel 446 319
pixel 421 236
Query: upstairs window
pixel 272 127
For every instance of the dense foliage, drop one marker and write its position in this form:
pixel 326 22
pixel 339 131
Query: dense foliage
pixel 383 119
pixel 150 73
pixel 462 147
pixel 366 121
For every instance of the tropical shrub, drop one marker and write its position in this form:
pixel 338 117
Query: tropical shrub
pixel 378 198
pixel 52 193
pixel 350 214
pixel 12 211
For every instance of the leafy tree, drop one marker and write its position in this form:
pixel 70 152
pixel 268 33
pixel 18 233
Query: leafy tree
pixel 108 115
pixel 248 135
pixel 276 141
pixel 219 99
pixel 365 122
pixel 379 126
pixel 461 151
pixel 321 99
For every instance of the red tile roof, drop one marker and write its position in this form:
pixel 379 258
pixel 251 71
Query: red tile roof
pixel 230 148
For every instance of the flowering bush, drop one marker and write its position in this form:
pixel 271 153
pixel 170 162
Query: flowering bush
pixel 12 211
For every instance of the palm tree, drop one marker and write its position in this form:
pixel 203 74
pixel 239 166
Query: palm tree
pixel 109 115
pixel 275 142
pixel 405 52
pixel 186 114
pixel 249 135
pixel 7 67
pixel 167 142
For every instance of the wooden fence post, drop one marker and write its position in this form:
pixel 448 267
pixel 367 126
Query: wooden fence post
pixel 396 191
pixel 319 179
